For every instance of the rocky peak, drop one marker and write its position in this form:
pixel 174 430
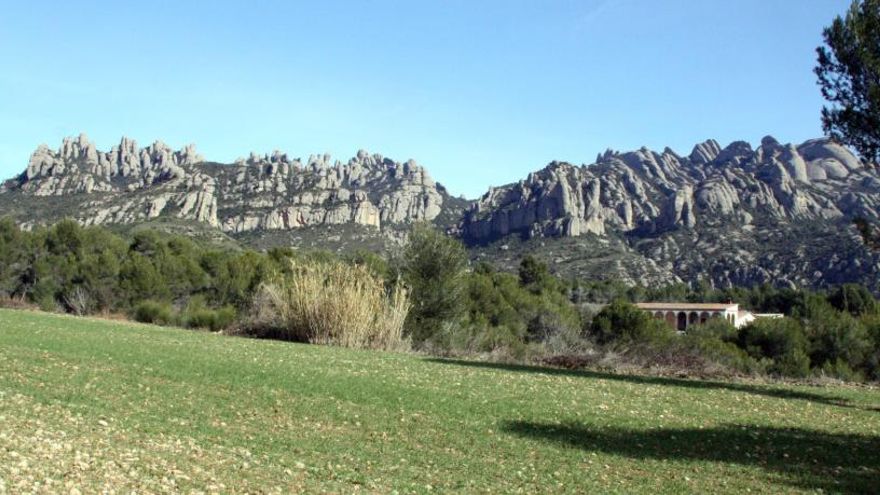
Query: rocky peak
pixel 734 155
pixel 606 156
pixel 264 191
pixel 78 167
pixel 778 213
pixel 646 191
pixel 769 142
pixel 276 192
pixel 705 152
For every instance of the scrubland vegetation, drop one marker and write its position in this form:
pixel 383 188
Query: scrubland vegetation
pixel 428 297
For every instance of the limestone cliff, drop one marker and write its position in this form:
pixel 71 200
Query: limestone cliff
pixel 734 215
pixel 729 215
pixel 647 191
pixel 263 192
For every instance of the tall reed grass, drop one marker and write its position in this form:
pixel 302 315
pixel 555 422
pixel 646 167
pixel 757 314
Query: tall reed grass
pixel 334 303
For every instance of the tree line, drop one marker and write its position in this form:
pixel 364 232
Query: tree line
pixel 430 297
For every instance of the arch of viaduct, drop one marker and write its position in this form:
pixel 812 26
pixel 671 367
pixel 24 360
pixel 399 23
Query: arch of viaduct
pixel 683 315
pixel 681 320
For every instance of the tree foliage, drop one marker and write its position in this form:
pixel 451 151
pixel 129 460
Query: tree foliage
pixel 171 280
pixel 433 267
pixel 533 273
pixel 623 323
pixel 852 298
pixel 848 71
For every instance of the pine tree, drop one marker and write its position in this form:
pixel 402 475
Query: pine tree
pixel 849 76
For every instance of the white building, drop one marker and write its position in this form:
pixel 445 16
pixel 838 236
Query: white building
pixel 683 315
pixel 746 317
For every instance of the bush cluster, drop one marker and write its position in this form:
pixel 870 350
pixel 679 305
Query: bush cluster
pixel 152 277
pixel 457 310
pixel 825 341
pixel 431 297
pixel 195 315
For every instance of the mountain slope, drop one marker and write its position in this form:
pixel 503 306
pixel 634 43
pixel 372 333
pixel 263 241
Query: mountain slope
pixel 650 193
pixel 129 185
pixel 778 214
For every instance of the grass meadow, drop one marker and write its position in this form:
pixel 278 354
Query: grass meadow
pixel 88 405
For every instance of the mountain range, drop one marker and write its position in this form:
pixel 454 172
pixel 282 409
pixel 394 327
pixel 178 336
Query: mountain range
pixel 778 214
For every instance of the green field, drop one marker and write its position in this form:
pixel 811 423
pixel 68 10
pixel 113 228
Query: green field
pixel 91 404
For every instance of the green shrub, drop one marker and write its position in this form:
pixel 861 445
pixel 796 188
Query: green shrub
pixel 621 323
pixel 236 278
pixel 717 328
pixel 715 341
pixel 154 312
pixel 377 265
pixel 501 307
pixel 723 354
pixel 45 301
pixel 795 364
pixel 535 276
pixel 140 280
pixel 211 319
pixel 872 359
pixel 772 337
pixel 500 340
pixel 854 299
pixel 544 325
pixel 779 340
pixel 197 314
pixel 495 299
pixel 841 370
pixel 433 267
pixel 837 337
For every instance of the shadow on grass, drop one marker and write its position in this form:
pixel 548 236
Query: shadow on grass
pixel 839 463
pixel 779 393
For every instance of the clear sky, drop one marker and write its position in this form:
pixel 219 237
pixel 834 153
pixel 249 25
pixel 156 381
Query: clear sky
pixel 479 91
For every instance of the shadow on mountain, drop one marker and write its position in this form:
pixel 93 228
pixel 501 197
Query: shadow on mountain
pixel 838 463
pixel 767 391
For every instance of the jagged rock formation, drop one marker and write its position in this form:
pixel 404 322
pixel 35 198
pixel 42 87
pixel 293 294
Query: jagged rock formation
pixel 276 192
pixel 77 167
pixel 712 214
pixel 648 191
pixel 269 192
pixel 777 214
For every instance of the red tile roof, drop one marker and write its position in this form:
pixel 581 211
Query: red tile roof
pixel 672 306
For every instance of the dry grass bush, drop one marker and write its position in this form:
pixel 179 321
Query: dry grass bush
pixel 7 302
pixel 570 361
pixel 79 302
pixel 332 303
pixel 670 360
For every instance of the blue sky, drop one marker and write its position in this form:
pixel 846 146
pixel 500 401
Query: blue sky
pixel 479 91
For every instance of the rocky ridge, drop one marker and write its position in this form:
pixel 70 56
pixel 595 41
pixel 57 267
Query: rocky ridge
pixel 734 215
pixel 730 216
pixel 648 192
pixel 263 192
